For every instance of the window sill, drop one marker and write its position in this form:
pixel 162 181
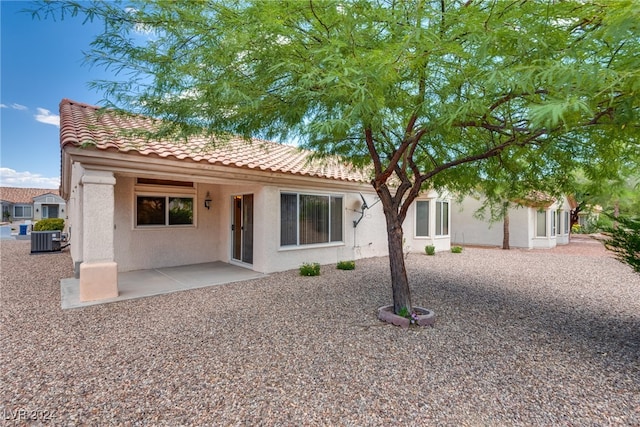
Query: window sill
pixel 163 227
pixel 310 246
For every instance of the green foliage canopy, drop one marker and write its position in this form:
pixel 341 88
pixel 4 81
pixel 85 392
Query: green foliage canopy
pixel 427 93
pixel 425 85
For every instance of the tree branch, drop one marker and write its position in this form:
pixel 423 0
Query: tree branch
pixel 481 156
pixel 313 11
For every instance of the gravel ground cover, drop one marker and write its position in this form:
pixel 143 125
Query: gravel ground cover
pixel 532 338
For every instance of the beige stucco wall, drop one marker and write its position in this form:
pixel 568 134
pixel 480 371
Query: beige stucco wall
pixel 365 241
pixel 97 216
pixel 210 239
pixel 154 247
pixel 471 230
pixel 136 248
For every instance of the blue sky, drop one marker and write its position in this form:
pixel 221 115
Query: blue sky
pixel 42 62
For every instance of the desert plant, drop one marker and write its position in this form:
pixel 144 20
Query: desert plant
pixel 624 241
pixel 49 224
pixel 456 249
pixel 430 249
pixel 346 265
pixel 310 269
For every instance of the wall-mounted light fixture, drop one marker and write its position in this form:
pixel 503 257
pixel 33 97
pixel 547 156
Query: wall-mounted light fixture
pixel 207 201
pixel 37 210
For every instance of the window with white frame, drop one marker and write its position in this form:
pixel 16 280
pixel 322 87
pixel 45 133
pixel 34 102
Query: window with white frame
pixel 307 219
pixel 422 218
pixel 567 222
pixel 161 203
pixel 541 224
pixel 442 218
pixel 553 223
pixel 22 211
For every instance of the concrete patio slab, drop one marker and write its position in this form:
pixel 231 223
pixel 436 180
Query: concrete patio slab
pixel 145 283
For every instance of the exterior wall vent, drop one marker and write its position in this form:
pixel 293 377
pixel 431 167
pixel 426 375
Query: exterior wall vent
pixel 45 241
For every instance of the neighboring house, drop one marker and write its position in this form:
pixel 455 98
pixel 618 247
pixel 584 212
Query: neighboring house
pixel 584 215
pixel 30 204
pixel 535 222
pixel 137 204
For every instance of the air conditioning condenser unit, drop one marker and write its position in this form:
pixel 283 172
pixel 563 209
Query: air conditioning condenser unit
pixel 45 241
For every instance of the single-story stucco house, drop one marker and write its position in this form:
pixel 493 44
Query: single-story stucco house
pixel 19 205
pixel 535 222
pixel 137 204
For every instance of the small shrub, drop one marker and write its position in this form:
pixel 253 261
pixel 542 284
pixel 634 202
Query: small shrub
pixel 49 224
pixel 430 249
pixel 404 312
pixel 310 269
pixel 456 249
pixel 346 265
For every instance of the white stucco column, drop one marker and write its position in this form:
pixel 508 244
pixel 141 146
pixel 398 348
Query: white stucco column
pixel 98 271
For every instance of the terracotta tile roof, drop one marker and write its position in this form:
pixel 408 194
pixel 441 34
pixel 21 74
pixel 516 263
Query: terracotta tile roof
pixel 82 124
pixel 536 199
pixel 23 195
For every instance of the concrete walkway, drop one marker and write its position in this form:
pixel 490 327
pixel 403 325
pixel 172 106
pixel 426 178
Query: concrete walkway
pixel 145 283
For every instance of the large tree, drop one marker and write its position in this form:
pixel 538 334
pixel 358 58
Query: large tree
pixel 424 92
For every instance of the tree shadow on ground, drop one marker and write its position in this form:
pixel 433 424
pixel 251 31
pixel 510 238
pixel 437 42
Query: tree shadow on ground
pixel 608 337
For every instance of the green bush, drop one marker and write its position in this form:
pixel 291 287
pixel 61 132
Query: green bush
pixel 624 241
pixel 430 249
pixel 456 249
pixel 49 224
pixel 310 269
pixel 346 265
pixel 602 223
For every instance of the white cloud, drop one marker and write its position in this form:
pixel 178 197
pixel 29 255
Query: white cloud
pixel 13 178
pixel 19 107
pixel 139 27
pixel 4 106
pixel 45 116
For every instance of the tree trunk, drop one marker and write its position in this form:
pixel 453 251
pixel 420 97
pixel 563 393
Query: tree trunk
pixel 505 226
pixel 399 280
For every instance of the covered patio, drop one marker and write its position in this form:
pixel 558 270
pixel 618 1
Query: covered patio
pixel 158 281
